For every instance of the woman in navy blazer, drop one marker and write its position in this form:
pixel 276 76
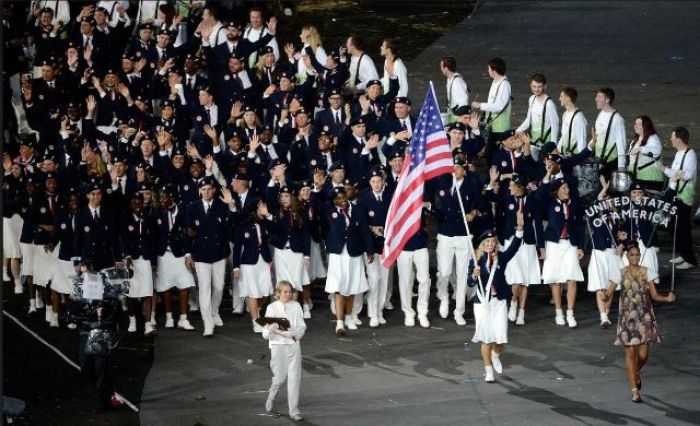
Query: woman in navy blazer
pixel 491 305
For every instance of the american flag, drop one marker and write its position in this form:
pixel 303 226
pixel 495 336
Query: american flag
pixel 428 156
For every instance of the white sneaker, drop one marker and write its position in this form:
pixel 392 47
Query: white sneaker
pixel 388 305
pixel 684 265
pixel 40 303
pixel 571 321
pixel 521 317
pixel 237 311
pixel 460 320
pixel 54 320
pixel 5 275
pixel 559 320
pixel 488 375
pixel 132 325
pixel 48 314
pixel 32 306
pixel 357 320
pixel 409 322
pixel 307 312
pixel 339 328
pixel 374 322
pixel 423 320
pixel 350 322
pixel 208 331
pixel 257 328
pixel 218 322
pixel 19 289
pixel 270 403
pixel 444 308
pixel 677 259
pixel 381 319
pixel 149 329
pixel 513 312
pixel 169 322
pixel 297 417
pixel 194 307
pixel 184 324
pixel 496 362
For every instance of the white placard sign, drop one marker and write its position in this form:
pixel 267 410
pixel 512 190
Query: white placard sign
pixel 93 286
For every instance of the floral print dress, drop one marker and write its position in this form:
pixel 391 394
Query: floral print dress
pixel 636 324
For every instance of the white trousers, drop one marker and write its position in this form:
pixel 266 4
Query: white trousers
pixel 405 263
pixel 451 252
pixel 285 363
pixel 210 278
pixel 378 280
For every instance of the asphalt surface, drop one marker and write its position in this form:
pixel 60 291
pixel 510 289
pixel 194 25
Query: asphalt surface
pixel 647 52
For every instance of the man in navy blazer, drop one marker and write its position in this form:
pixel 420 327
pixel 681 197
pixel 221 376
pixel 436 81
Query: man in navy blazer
pixel 95 241
pixel 209 231
pixel 397 128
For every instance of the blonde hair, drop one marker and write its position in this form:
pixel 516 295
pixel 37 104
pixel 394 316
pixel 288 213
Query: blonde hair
pixel 280 285
pixel 313 37
pixel 482 249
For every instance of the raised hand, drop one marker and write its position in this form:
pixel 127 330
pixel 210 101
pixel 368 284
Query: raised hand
pixel 364 103
pixel 272 25
pixel 493 174
pixel 139 65
pixel 253 143
pixel 372 142
pixel 209 162
pixel 211 132
pixel 262 209
pixel 289 50
pixel 226 196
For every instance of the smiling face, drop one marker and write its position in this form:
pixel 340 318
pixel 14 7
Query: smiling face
pixel 377 183
pixel 285 292
pixel 563 192
pixel 634 256
pixel 601 101
pixel 536 88
pixel 340 200
pixel 489 244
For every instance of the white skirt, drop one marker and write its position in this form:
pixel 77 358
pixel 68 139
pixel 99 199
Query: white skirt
pixel 11 231
pixel 44 264
pixel 524 267
pixel 561 263
pixel 491 322
pixel 63 275
pixel 172 272
pixel 142 281
pixel 289 266
pixel 603 268
pixel 27 251
pixel 317 269
pixel 256 280
pixel 346 274
pixel 649 260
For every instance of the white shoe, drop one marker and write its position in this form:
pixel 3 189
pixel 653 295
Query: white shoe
pixel 237 311
pixel 311 304
pixel 571 321
pixel 307 312
pixel 132 325
pixel 257 328
pixel 184 324
pixel 513 312
pixel 388 305
pixel 677 259
pixel 125 306
pixel 54 320
pixel 496 362
pixel 5 276
pixel 48 314
pixel 208 332
pixel 217 320
pixel 423 320
pixel 350 323
pixel 149 329
pixel 409 322
pixel 297 417
pixel 559 320
pixel 488 375
pixel 333 307
pixel 357 320
pixel 270 403
pixel 684 265
pixel 32 306
pixel 339 328
pixel 169 322
pixel 374 322
pixel 460 320
pixel 521 317
pixel 19 289
pixel 40 303
pixel 194 307
pixel 381 320
pixel 444 308
pixel 72 326
pixel 153 320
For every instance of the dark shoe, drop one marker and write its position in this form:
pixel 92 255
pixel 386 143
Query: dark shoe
pixel 637 400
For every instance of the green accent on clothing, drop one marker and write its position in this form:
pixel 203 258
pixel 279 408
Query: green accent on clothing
pixel 687 192
pixel 502 122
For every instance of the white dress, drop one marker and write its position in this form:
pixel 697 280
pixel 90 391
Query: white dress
pixel 289 266
pixel 44 264
pixel 524 267
pixel 256 280
pixel 11 231
pixel 561 263
pixel 142 281
pixel 172 272
pixel 491 322
pixel 603 268
pixel 63 276
pixel 317 269
pixel 346 274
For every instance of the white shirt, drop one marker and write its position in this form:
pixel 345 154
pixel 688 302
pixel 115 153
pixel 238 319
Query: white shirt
pixel 617 134
pixel 364 74
pixel 579 129
pixel 457 94
pixel 213 113
pixel 297 327
pixel 653 147
pixel 254 35
pixel 321 57
pixel 499 96
pixel 148 11
pixel 690 165
pixel 63 12
pixel 534 117
pixel 401 73
pixel 111 6
pixel 217 36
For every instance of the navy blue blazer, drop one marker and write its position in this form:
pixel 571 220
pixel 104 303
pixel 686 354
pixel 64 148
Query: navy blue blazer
pixel 209 234
pixel 445 206
pixel 173 238
pixel 286 232
pixel 64 234
pixel 248 246
pixel 557 221
pixel 325 120
pixel 499 283
pixel 373 213
pixel 96 240
pixel 139 237
pixel 338 234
